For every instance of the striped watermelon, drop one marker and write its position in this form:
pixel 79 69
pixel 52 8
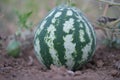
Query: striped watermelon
pixel 64 37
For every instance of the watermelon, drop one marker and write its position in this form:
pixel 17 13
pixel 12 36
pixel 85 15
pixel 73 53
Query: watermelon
pixel 13 48
pixel 64 38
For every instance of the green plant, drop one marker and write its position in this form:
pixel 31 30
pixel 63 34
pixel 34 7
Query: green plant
pixel 22 20
pixel 68 2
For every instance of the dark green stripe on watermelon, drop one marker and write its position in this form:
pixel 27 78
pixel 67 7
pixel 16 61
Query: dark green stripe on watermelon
pixel 47 59
pixel 93 36
pixel 59 33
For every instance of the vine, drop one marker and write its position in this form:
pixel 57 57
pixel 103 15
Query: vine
pixel 111 26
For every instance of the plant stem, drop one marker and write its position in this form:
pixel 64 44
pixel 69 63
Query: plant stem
pixel 68 2
pixel 106 9
pixel 113 23
pixel 110 2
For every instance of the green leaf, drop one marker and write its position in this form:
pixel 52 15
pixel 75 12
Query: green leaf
pixel 73 4
pixel 23 18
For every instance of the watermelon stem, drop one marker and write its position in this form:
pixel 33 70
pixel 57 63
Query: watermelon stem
pixel 69 2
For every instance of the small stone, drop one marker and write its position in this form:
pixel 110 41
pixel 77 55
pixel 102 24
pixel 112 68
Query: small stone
pixel 53 68
pixel 113 72
pixel 117 65
pixel 71 73
pixel 30 63
pixel 99 63
pixel 14 75
pixel 77 73
pixel 90 66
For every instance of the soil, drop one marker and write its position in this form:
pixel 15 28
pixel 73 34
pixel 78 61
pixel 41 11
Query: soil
pixel 105 65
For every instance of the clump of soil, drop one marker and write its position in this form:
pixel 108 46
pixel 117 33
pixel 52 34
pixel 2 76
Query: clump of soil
pixel 105 65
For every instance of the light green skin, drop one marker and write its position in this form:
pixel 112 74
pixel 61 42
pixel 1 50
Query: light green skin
pixel 13 49
pixel 64 37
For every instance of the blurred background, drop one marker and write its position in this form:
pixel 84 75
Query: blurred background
pixel 11 10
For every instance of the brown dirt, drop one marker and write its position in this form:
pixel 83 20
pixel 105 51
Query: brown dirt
pixel 105 65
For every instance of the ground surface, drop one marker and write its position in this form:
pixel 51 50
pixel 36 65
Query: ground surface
pixel 105 65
